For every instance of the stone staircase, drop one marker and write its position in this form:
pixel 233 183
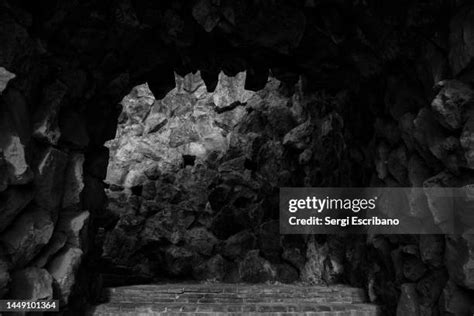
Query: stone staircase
pixel 235 299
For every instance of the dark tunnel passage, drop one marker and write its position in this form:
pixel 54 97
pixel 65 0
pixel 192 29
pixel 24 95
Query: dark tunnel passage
pixel 145 141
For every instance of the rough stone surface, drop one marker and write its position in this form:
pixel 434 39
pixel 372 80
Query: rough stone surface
pixel 409 302
pixel 451 101
pixel 46 119
pixel 49 178
pixel 13 152
pixel 461 39
pixel 4 277
pixel 73 183
pixel 467 137
pixel 255 269
pixel 63 268
pixel 456 301
pixel 365 89
pixel 56 243
pixel 5 76
pixel 213 269
pixel 32 284
pixel 236 246
pixel 27 235
pixel 12 202
pixel 74 226
pixel 459 258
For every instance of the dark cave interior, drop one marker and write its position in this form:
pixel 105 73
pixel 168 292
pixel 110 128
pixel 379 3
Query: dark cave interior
pixel 318 93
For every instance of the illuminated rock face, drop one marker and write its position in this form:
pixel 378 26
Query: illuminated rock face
pixel 197 178
pixel 188 122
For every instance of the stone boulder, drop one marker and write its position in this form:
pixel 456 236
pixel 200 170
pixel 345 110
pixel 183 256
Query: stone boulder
pixel 300 136
pixel 119 247
pixel 255 269
pixel 237 246
pixel 74 226
pixel 450 103
pixel 49 178
pixel 440 205
pixel 213 269
pixel 12 202
pixel 432 250
pixel 32 284
pixel 413 268
pixel 178 261
pixel 408 303
pixel 467 137
pixel 46 126
pixel 230 90
pixel 432 137
pixel 324 262
pixel 25 238
pixel 200 240
pixel 286 273
pixel 459 258
pixel 397 164
pixel 63 268
pixel 74 182
pixel 168 225
pixel 12 148
pixel 5 77
pixel 456 301
pixel 56 243
pixel 294 256
pixel 429 289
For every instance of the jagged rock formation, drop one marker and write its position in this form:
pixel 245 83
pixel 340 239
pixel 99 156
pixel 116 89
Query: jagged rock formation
pixel 202 173
pixel 368 72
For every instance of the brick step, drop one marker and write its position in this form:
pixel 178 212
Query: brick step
pixel 229 293
pixel 235 299
pixel 331 309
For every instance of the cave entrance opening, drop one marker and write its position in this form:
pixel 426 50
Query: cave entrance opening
pixel 192 184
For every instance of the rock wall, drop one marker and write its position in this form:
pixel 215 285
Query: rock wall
pixel 64 67
pixel 194 177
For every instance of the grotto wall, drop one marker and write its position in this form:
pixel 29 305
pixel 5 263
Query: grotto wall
pixel 193 182
pixel 65 66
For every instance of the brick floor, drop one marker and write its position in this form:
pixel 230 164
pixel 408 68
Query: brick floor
pixel 235 299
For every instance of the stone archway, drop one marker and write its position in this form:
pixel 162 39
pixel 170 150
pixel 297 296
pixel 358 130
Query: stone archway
pixel 64 66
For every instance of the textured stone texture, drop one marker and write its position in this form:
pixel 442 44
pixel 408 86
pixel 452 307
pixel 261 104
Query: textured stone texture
pixel 74 226
pixel 46 122
pixel 4 277
pixel 409 302
pixel 5 76
pixel 72 69
pixel 32 284
pixel 461 39
pixel 63 268
pixel 459 258
pixel 27 235
pixel 12 202
pixel 218 298
pixel 74 182
pixel 49 179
